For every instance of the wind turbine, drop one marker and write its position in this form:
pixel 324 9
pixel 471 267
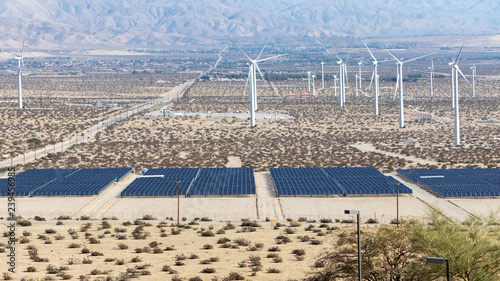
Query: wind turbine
pixel 252 78
pixel 432 76
pixel 473 80
pixel 374 76
pixel 454 93
pixel 322 76
pixel 399 84
pixel 20 62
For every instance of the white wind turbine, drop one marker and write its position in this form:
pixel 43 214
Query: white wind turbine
pixel 473 80
pixel 399 84
pixel 432 76
pixel 374 76
pixel 20 62
pixel 455 93
pixel 253 79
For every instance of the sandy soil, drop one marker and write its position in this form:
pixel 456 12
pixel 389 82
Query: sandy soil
pixel 188 242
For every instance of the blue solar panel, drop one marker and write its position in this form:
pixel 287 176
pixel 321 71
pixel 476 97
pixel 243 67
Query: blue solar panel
pixel 85 182
pixel 333 181
pixel 166 186
pixel 32 180
pixel 457 182
pixel 224 181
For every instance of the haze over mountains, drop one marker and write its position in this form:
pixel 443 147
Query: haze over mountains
pixel 162 24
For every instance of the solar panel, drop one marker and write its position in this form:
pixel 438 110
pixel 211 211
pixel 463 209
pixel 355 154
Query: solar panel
pixel 457 182
pixel 333 181
pixel 31 180
pixel 223 181
pixel 166 186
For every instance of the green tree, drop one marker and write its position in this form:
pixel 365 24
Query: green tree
pixel 471 247
pixel 387 253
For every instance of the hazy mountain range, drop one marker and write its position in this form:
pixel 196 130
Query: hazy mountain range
pixel 165 23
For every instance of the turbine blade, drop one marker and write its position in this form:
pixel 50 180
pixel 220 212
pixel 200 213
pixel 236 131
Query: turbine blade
pixel 256 65
pixel 393 56
pixel 418 57
pixel 22 48
pixel 371 81
pixel 397 85
pixel 460 71
pixel 271 58
pixel 373 57
pixel 248 58
pixel 459 54
pixel 263 48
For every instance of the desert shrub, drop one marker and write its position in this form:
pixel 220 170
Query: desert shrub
pixel 87 261
pixel 289 230
pixel 223 240
pixel 273 270
pixel 123 246
pixel 208 270
pixel 234 276
pixel 208 246
pixel 74 245
pixel 274 249
pixel 242 241
pixel 281 239
pixel 299 252
pixel 31 269
pixel 207 233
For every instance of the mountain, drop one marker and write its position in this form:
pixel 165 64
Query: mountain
pixel 165 23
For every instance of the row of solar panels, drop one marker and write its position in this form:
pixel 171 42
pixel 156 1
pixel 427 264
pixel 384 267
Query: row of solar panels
pixel 334 181
pixel 193 182
pixel 240 181
pixel 64 182
pixel 457 182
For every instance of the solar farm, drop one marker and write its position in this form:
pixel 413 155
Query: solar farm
pixel 206 182
pixel 457 182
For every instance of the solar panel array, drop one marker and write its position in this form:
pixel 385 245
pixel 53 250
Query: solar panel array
pixel 457 182
pixel 223 181
pixel 66 182
pixel 31 180
pixel 333 181
pixel 166 186
pixel 303 181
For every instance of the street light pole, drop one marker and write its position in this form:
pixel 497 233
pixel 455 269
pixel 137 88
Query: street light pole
pixel 440 261
pixel 356 212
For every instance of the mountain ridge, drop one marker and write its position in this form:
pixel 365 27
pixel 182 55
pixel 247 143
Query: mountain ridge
pixel 163 24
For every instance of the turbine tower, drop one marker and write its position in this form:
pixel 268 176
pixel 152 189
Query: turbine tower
pixel 374 76
pixel 473 80
pixel 252 78
pixel 20 63
pixel 360 63
pixel 322 76
pixel 340 62
pixel 455 70
pixel 309 81
pixel 314 88
pixel 432 76
pixel 335 84
pixel 399 84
